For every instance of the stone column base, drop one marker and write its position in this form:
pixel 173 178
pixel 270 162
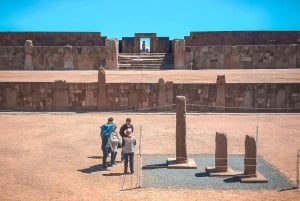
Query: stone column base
pixel 191 164
pixel 213 173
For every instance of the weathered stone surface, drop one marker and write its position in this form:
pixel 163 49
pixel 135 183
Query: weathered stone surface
pixel 221 92
pixel 170 93
pixel 181 152
pixel 280 99
pixel 112 47
pixel 221 152
pixel 179 54
pixel 250 156
pixel 60 96
pixel 11 98
pixel 162 93
pixel 28 65
pixel 102 90
pixel 133 100
pixel 68 57
pixel 248 99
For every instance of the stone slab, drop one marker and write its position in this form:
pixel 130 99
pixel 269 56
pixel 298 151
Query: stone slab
pixel 259 178
pixel 229 173
pixel 191 164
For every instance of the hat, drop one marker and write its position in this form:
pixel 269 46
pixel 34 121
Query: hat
pixel 128 132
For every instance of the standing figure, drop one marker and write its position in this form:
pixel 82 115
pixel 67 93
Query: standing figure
pixel 114 141
pixel 143 46
pixel 128 149
pixel 106 131
pixel 122 130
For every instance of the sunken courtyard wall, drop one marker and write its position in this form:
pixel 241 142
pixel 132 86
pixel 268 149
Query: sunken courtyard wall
pixel 62 96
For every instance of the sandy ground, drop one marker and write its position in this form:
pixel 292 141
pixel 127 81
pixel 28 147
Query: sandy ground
pixel 177 76
pixel 56 156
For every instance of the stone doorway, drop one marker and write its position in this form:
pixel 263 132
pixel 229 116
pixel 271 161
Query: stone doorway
pixel 144 45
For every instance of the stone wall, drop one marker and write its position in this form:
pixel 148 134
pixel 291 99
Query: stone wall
pixel 53 57
pixel 62 96
pixel 243 56
pixel 242 38
pixel 52 38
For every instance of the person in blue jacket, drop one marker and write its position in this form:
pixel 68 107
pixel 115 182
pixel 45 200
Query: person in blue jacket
pixel 106 130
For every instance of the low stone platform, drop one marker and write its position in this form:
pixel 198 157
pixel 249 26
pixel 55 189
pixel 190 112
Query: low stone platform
pixel 191 164
pixel 198 178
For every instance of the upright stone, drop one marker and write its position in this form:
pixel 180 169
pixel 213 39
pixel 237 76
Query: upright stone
pixel 181 153
pixel 111 46
pixel 28 65
pixel 169 89
pixel 102 93
pixel 61 95
pixel 221 153
pixel 179 54
pixel 68 57
pixel 280 99
pixel 221 93
pixel 250 157
pixel 162 92
pixel 248 99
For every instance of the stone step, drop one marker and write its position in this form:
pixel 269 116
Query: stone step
pixel 146 61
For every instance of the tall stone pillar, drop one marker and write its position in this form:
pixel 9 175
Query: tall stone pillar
pixel 221 167
pixel 181 161
pixel 162 93
pixel 298 55
pixel 68 57
pixel 179 53
pixel 221 152
pixel 102 92
pixel 221 93
pixel 250 156
pixel 250 174
pixel 170 94
pixel 112 49
pixel 28 64
pixel 181 154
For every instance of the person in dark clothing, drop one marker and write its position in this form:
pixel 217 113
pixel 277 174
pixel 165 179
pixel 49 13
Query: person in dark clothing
pixel 123 128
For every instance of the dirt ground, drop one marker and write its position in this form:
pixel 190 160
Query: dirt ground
pixel 177 76
pixel 56 156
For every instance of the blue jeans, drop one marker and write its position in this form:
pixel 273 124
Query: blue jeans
pixel 105 154
pixel 113 157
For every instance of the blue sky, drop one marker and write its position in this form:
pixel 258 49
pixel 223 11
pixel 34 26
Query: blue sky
pixel 175 19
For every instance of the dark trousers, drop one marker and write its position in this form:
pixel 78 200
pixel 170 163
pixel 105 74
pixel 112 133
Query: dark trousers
pixel 129 157
pixel 105 154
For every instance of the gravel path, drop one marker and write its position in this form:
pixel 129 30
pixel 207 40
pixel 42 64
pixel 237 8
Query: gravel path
pixel 198 178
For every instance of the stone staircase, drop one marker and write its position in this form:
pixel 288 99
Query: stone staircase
pixel 145 61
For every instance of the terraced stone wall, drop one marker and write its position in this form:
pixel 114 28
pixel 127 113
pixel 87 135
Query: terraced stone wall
pixel 243 56
pixel 62 96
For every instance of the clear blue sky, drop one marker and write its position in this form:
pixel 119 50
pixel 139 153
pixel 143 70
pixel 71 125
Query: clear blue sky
pixel 175 19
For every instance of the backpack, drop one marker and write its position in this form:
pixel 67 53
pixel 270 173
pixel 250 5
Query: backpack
pixel 114 141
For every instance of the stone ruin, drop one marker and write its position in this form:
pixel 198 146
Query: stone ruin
pixel 181 161
pixel 199 50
